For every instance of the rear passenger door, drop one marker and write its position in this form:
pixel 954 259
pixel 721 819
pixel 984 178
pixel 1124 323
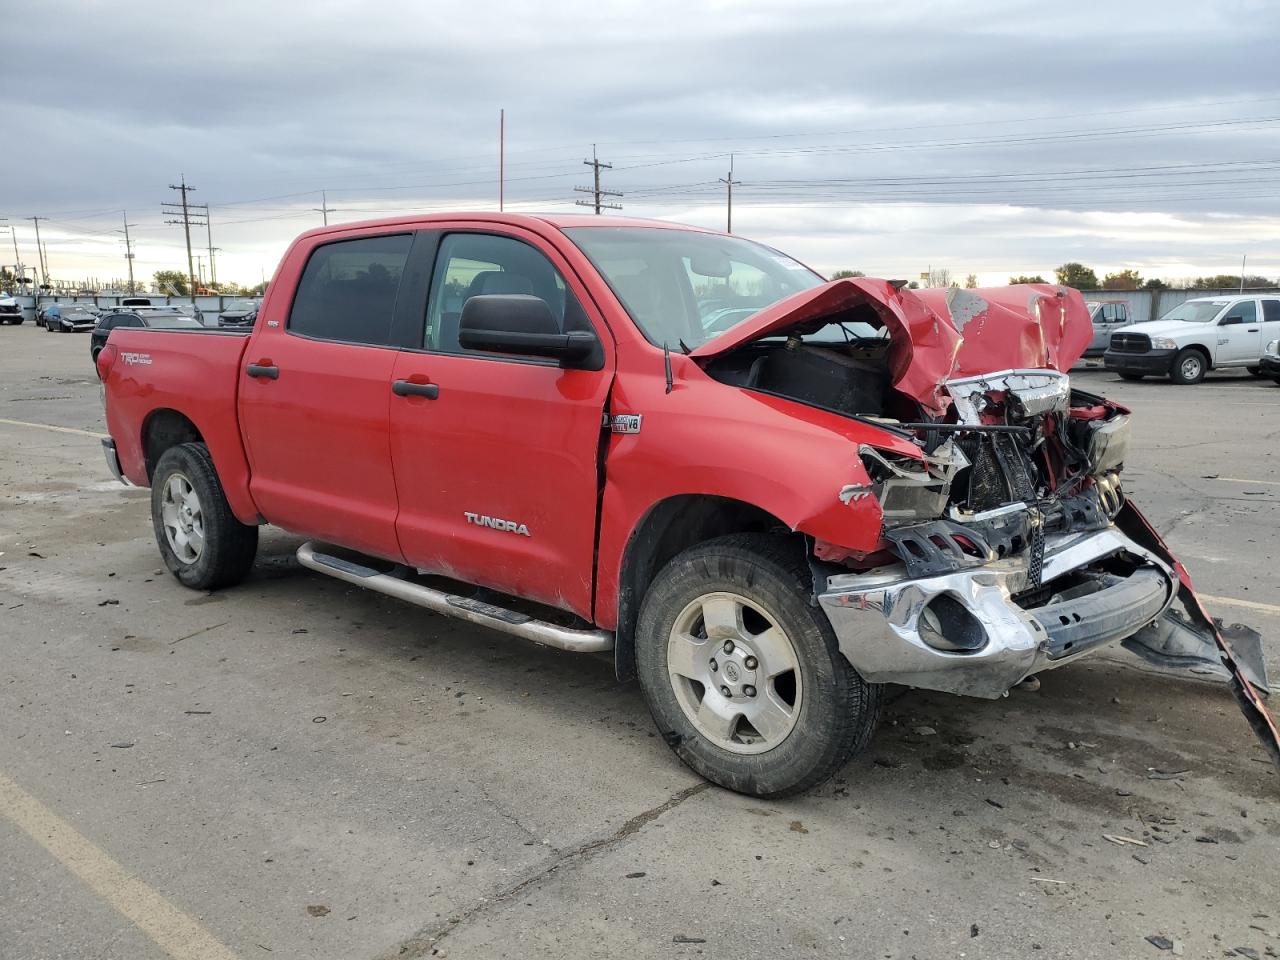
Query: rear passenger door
pixel 315 390
pixel 496 456
pixel 1270 323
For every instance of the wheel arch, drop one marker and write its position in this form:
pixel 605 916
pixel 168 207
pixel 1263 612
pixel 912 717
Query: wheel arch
pixel 669 527
pixel 1203 350
pixel 162 429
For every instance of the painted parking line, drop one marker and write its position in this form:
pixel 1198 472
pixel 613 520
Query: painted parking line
pixel 176 933
pixel 1269 483
pixel 48 426
pixel 1246 604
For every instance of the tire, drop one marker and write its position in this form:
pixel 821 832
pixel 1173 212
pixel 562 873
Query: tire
pixel 222 553
pixel 1254 371
pixel 1189 366
pixel 93 355
pixel 1132 376
pixel 813 714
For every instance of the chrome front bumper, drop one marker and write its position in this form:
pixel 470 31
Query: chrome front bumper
pixel 877 616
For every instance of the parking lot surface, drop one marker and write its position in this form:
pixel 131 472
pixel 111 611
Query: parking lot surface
pixel 297 768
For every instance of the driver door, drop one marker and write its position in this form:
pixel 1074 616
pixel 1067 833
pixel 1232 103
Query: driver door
pixel 498 467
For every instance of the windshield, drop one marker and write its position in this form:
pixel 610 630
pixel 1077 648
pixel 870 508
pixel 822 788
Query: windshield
pixel 685 287
pixel 1196 311
pixel 237 306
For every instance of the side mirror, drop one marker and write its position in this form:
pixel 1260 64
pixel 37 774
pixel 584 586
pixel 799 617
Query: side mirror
pixel 523 325
pixel 1228 320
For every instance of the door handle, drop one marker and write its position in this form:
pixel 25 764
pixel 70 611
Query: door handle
pixel 267 370
pixel 1253 329
pixel 407 388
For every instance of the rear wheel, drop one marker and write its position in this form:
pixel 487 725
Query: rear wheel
pixel 743 676
pixel 1189 366
pixel 1132 376
pixel 202 542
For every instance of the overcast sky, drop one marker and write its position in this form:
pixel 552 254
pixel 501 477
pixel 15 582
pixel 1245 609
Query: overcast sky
pixel 985 137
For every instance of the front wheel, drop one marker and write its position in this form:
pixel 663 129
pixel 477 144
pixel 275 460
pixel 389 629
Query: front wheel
pixel 202 542
pixel 743 675
pixel 1189 366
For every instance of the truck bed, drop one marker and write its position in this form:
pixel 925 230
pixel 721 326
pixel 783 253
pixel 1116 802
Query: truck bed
pixel 183 375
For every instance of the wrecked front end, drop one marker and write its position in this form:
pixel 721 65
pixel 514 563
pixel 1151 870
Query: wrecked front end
pixel 1013 549
pixel 1007 544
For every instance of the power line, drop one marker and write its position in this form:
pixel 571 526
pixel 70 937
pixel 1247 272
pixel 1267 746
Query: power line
pixel 596 165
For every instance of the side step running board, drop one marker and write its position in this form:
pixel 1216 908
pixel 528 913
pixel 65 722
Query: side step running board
pixel 452 605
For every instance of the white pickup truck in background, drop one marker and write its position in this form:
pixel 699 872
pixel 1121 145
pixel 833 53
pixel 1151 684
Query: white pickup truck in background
pixel 1196 336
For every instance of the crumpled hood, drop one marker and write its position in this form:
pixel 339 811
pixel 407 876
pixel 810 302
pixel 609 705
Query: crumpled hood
pixel 939 334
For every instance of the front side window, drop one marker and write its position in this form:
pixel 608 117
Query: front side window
pixel 680 286
pixel 475 264
pixel 348 290
pixel 1246 310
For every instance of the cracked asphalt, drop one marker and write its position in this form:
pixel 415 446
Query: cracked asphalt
pixel 296 768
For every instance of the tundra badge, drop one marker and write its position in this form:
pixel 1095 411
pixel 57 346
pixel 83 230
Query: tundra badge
pixel 510 526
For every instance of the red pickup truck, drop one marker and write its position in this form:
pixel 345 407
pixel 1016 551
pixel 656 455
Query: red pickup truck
pixel 768 495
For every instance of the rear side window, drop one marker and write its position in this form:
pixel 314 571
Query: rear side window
pixel 1270 311
pixel 348 290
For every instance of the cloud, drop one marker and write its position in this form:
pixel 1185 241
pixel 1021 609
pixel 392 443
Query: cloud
pixel 996 137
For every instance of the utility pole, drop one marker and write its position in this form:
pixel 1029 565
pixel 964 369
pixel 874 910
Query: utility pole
pixel 596 166
pixel 200 269
pixel 502 157
pixel 730 183
pixel 208 232
pixel 40 255
pixel 1243 261
pixel 324 209
pixel 128 246
pixel 173 209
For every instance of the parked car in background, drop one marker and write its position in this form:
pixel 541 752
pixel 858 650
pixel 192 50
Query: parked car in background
pixel 188 310
pixel 1269 366
pixel 10 309
pixel 154 318
pixel 1196 336
pixel 1107 316
pixel 70 318
pixel 239 313
pixel 135 302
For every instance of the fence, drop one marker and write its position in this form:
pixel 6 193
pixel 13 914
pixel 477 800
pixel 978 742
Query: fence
pixel 1153 304
pixel 209 306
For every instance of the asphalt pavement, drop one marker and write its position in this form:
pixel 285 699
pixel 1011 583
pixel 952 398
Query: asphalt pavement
pixel 297 768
